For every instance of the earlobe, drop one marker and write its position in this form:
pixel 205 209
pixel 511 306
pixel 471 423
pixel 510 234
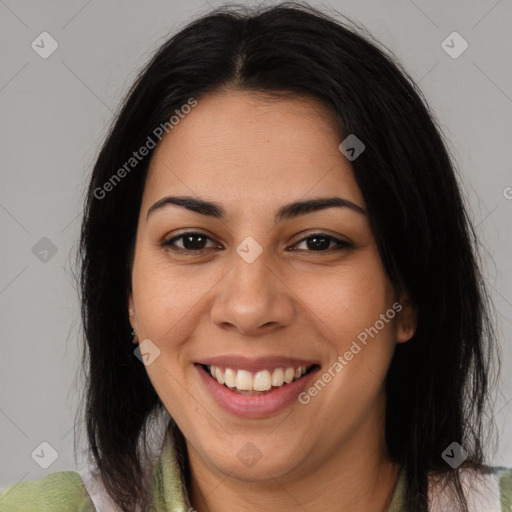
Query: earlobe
pixel 407 320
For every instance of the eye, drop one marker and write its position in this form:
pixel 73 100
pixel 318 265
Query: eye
pixel 320 242
pixel 193 242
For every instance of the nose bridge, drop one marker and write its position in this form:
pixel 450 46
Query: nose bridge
pixel 251 270
pixel 251 295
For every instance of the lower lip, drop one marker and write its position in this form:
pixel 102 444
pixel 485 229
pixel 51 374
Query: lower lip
pixel 254 406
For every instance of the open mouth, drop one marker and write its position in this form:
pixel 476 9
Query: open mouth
pixel 257 383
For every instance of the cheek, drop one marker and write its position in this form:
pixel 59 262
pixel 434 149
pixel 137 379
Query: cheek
pixel 167 294
pixel 348 306
pixel 347 299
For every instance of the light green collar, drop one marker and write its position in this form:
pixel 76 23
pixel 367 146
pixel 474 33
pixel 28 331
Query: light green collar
pixel 166 490
pixel 397 502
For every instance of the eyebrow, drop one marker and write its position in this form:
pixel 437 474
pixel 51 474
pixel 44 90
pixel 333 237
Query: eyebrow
pixel 286 212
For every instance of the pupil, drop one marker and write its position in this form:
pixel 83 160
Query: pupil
pixel 315 245
pixel 189 244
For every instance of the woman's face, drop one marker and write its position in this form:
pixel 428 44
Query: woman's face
pixel 255 292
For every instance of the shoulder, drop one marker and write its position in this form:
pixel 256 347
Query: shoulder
pixel 494 487
pixel 57 492
pixel 504 478
pixel 487 490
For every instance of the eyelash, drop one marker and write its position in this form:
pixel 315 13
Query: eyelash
pixel 169 244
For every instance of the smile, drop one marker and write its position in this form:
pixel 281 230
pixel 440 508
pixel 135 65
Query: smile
pixel 256 391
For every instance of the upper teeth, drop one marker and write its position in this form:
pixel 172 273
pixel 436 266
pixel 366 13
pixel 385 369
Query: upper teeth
pixel 263 380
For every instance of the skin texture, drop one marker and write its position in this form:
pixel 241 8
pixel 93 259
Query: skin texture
pixel 252 155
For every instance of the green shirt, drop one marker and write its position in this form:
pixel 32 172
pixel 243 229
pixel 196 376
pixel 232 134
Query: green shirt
pixel 66 492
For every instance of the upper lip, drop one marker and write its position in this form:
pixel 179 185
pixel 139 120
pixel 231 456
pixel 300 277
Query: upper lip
pixel 254 364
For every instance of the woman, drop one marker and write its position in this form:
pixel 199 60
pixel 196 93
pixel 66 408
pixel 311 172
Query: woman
pixel 275 223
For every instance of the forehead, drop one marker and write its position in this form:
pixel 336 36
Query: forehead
pixel 239 148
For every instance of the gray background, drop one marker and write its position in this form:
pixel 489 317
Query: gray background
pixel 55 112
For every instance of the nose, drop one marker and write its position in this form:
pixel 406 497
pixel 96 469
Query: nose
pixel 253 299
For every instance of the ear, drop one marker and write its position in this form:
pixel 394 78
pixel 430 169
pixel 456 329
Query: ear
pixel 407 319
pixel 131 312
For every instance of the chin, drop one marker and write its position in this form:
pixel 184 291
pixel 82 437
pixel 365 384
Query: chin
pixel 251 464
